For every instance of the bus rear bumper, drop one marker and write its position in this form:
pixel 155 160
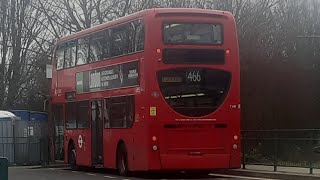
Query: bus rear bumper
pixel 185 162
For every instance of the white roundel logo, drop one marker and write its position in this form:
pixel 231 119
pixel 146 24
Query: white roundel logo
pixel 80 141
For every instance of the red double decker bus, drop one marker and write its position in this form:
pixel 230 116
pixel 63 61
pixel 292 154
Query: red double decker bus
pixel 156 90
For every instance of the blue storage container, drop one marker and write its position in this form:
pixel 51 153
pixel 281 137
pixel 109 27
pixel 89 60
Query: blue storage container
pixel 31 115
pixel 38 116
pixel 23 114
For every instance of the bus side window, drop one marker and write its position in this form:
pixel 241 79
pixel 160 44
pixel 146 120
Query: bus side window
pixel 95 52
pixel 106 116
pixel 83 114
pixel 70 54
pixel 135 36
pixel 120 112
pixel 119 38
pixel 106 44
pixel 132 29
pixel 99 46
pixel 71 115
pixel 83 51
pixel 139 36
pixel 130 111
pixel 60 57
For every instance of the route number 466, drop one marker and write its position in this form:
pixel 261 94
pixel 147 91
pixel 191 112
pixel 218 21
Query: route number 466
pixel 193 76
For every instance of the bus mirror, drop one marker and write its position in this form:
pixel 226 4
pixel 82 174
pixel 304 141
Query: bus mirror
pixel 49 71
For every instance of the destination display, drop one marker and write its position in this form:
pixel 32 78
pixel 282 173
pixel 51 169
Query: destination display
pixel 111 77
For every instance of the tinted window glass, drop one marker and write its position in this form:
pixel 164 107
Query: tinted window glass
pixel 119 40
pixel 192 33
pixel 135 36
pixel 132 29
pixel 116 41
pixel 70 54
pixel 71 115
pixel 194 92
pixel 60 57
pixel 106 116
pixel 99 46
pixel 139 41
pixel 120 112
pixel 83 49
pixel 83 114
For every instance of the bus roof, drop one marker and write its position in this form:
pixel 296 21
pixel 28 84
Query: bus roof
pixel 156 11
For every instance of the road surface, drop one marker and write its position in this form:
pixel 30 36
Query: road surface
pixel 22 173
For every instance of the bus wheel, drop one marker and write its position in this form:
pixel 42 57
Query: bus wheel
pixel 122 160
pixel 72 158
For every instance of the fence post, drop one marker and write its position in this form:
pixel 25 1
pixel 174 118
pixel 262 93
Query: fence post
pixel 14 142
pixel 275 159
pixel 3 168
pixel 312 138
pixel 243 152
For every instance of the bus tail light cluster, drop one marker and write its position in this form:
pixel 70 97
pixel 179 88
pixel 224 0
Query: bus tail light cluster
pixel 235 146
pixel 154 139
pixel 159 52
pixel 155 147
pixel 228 51
pixel 235 137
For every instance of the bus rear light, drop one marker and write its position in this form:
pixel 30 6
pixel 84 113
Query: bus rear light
pixel 228 51
pixel 154 138
pixel 154 147
pixel 235 146
pixel 235 137
pixel 158 51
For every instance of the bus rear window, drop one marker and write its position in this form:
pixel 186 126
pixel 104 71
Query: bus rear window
pixel 194 92
pixel 192 33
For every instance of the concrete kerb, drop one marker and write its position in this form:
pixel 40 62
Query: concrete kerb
pixel 266 174
pixel 51 166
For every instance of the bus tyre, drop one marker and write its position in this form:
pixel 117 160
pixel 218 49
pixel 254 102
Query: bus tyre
pixel 122 160
pixel 72 158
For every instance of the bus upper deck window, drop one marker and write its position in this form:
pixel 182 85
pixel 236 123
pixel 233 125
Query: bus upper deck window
pixel 192 33
pixel 60 57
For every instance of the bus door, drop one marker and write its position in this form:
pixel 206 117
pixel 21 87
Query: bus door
pixel 97 132
pixel 58 119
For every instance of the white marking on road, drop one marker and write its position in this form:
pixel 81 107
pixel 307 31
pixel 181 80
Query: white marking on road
pixel 126 179
pixel 74 171
pixel 110 177
pixel 89 174
pixel 240 177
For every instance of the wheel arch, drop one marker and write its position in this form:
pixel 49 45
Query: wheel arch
pixel 120 143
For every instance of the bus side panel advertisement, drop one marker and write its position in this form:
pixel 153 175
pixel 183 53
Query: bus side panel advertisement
pixel 111 77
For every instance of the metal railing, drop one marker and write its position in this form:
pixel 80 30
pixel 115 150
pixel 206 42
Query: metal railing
pixel 291 148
